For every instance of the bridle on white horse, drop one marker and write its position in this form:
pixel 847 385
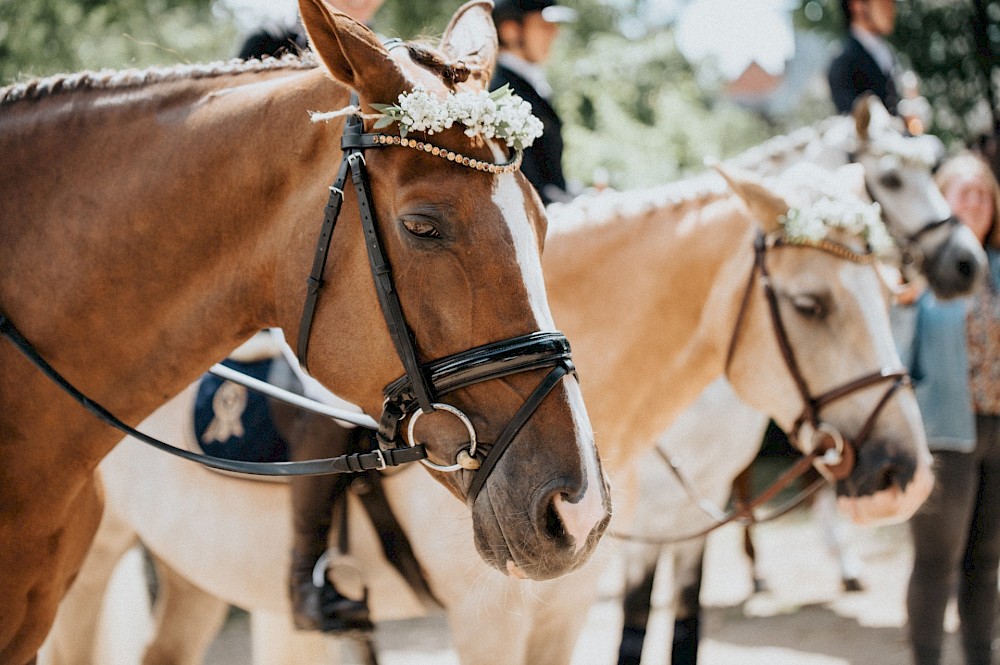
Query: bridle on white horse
pixel 832 454
pixel 413 394
pixel 909 244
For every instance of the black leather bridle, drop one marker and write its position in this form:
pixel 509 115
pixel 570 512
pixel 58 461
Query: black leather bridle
pixel 416 392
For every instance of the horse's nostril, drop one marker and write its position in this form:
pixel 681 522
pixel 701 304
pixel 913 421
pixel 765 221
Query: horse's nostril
pixel 887 477
pixel 554 527
pixel 966 268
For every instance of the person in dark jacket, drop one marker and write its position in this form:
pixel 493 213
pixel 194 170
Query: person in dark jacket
pixel 526 30
pixel 866 62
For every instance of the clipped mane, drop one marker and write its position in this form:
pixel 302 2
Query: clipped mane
pixel 110 79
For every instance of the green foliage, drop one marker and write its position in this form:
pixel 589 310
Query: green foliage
pixel 408 19
pixel 44 37
pixel 632 108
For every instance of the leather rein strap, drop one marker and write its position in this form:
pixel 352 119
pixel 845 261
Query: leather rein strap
pixel 377 459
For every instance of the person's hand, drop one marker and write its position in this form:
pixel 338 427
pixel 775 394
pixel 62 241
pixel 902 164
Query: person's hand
pixel 909 292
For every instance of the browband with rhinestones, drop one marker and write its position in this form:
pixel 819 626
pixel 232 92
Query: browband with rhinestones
pixel 507 167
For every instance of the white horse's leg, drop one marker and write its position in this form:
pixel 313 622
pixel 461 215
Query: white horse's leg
pixel 74 636
pixel 187 620
pixel 490 625
pixel 276 642
pixel 559 612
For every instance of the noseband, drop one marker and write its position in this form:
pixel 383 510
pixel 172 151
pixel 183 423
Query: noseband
pixel 418 391
pixel 831 453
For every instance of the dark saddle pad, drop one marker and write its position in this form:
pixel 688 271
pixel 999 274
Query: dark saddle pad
pixel 234 422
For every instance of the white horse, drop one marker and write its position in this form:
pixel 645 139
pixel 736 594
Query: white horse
pixel 660 292
pixel 898 174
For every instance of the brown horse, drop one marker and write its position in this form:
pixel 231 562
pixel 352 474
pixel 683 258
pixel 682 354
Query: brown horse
pixel 152 221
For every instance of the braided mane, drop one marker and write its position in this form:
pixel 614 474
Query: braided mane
pixel 111 79
pixel 776 151
pixel 611 206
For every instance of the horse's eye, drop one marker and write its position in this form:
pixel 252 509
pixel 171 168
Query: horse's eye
pixel 809 306
pixel 891 180
pixel 421 227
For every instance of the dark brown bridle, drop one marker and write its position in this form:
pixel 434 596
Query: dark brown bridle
pixel 832 454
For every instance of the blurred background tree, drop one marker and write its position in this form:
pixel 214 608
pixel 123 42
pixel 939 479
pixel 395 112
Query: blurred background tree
pixel 637 111
pixel 43 37
pixel 953 47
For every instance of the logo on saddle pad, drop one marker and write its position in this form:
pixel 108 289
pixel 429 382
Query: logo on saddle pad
pixel 233 422
pixel 228 405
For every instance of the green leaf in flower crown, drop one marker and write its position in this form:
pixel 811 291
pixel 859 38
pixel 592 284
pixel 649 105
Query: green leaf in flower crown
pixel 501 92
pixel 381 108
pixel 384 121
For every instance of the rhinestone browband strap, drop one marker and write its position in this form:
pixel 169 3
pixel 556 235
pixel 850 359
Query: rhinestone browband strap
pixel 508 167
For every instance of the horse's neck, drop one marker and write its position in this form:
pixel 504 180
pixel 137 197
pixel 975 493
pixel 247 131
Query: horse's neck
pixel 150 228
pixel 649 303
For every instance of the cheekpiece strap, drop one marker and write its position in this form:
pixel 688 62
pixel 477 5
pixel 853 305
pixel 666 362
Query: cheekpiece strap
pixel 353 143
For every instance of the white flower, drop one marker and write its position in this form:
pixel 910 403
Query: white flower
pixel 814 223
pixel 498 114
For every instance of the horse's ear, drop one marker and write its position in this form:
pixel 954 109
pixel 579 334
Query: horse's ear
pixel 862 113
pixel 766 206
pixel 351 52
pixel 471 38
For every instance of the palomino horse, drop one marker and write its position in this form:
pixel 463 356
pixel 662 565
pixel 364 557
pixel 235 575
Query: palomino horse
pixel 152 221
pixel 689 250
pixel 898 174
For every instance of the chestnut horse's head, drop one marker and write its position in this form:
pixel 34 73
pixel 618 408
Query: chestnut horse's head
pixel 461 237
pixel 817 312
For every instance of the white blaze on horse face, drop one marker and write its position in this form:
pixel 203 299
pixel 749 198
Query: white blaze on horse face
pixel 509 198
pixel 581 517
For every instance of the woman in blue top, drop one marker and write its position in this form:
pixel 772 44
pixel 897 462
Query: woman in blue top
pixel 955 364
